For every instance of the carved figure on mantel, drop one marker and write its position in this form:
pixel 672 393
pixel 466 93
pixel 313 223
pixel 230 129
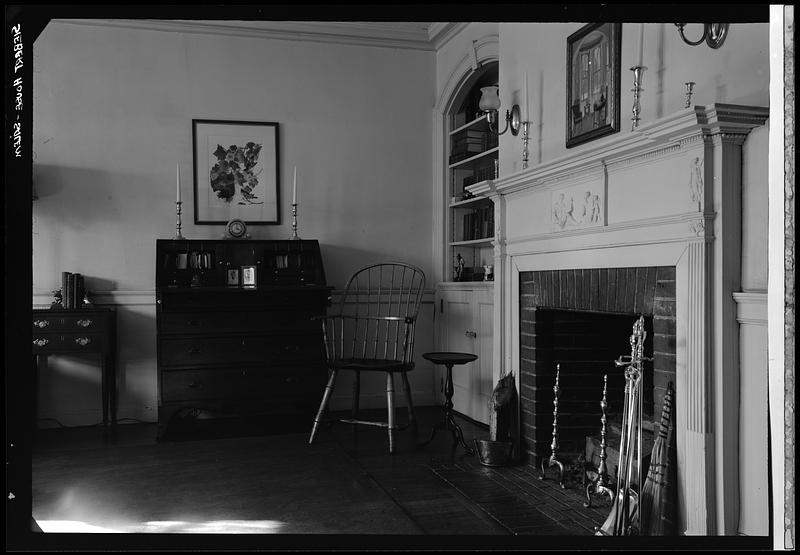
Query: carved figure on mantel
pixel 696 182
pixel 560 212
pixel 579 216
pixel 594 215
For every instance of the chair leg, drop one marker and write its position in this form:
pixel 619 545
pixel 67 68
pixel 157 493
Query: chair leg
pixel 323 406
pixel 356 393
pixel 390 408
pixel 412 421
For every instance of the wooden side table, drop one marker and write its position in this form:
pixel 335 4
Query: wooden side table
pixel 449 360
pixel 85 330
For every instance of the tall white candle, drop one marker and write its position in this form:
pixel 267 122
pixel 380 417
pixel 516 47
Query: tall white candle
pixel 640 57
pixel 525 100
pixel 178 181
pixel 294 190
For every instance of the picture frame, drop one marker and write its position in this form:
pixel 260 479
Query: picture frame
pixel 248 276
pixel 593 82
pixel 232 277
pixel 236 172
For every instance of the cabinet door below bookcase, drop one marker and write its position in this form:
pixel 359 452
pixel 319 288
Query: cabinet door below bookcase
pixel 466 325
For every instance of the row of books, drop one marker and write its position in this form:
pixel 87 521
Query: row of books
pixel 480 174
pixel 470 146
pixel 479 223
pixel 72 290
pixel 462 118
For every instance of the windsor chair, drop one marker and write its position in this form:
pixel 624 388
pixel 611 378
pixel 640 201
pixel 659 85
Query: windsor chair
pixel 373 331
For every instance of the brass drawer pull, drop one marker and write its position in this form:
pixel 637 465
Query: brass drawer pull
pixel 194 350
pixel 82 341
pixel 471 334
pixel 196 385
pixel 41 342
pixel 41 323
pixel 84 323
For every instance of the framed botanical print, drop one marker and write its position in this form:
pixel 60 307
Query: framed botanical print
pixel 235 172
pixel 593 79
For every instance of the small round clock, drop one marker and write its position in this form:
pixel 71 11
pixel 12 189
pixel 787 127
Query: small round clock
pixel 237 229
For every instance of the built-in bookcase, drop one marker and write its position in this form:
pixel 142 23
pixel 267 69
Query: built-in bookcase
pixel 472 158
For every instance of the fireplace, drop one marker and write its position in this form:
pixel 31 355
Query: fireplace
pixel 582 320
pixel 669 196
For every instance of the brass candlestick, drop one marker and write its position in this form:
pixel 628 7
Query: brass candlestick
pixel 178 235
pixel 600 484
pixel 294 222
pixel 638 76
pixel 553 460
pixel 525 144
pixel 689 87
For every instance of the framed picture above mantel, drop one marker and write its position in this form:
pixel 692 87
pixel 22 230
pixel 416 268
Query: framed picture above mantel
pixel 593 82
pixel 236 172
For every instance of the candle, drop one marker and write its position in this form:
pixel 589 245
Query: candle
pixel 178 182
pixel 640 57
pixel 525 100
pixel 294 191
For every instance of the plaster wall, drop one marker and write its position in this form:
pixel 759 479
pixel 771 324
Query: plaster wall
pixel 113 110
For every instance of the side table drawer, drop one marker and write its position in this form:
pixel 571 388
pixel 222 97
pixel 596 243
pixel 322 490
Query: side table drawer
pixel 69 323
pixel 68 342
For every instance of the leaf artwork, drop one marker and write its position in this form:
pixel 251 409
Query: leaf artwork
pixel 235 170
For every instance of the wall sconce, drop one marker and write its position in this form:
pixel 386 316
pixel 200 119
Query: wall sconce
pixel 713 34
pixel 490 104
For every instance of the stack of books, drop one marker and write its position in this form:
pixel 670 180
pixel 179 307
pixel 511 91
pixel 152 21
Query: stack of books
pixel 479 223
pixel 72 290
pixel 467 143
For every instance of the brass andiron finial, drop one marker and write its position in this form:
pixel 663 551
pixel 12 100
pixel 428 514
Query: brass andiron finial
pixel 638 77
pixel 553 460
pixel 600 484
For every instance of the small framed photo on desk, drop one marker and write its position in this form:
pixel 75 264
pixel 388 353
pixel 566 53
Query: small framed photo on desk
pixel 232 277
pixel 248 276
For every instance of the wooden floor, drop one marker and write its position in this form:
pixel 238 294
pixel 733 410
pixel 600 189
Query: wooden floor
pixel 344 491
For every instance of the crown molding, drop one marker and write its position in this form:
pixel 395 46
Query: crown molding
pixel 370 33
pixel 440 33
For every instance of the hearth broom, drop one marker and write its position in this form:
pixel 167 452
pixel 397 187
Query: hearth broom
pixel 657 501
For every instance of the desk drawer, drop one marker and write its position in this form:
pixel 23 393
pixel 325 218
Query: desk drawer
pixel 194 385
pixel 212 350
pixel 64 343
pixel 239 321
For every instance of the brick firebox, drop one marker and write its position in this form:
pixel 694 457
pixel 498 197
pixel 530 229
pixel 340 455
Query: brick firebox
pixel 600 305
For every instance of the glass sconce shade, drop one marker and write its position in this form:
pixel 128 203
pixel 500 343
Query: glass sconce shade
pixel 489 98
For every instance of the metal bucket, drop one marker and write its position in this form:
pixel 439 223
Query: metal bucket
pixel 493 453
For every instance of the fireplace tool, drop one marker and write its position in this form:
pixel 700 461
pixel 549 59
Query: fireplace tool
pixel 624 517
pixel 553 460
pixel 600 485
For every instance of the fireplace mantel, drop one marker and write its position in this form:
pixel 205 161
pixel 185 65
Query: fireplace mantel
pixel 668 194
